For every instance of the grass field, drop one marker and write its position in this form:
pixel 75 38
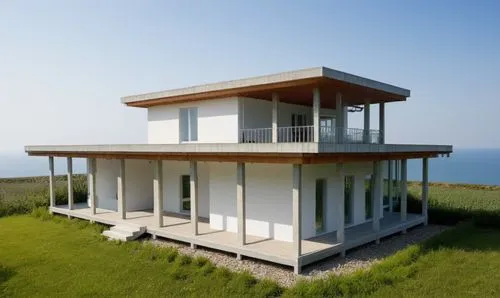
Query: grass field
pixel 49 256
pixel 54 256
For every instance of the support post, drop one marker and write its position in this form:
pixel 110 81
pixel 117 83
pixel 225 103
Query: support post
pixel 404 190
pixel 158 192
pixel 193 166
pixel 316 111
pixel 120 182
pixel 366 126
pixel 240 202
pixel 425 189
pixel 381 122
pixel 297 212
pixel 70 183
pixel 376 196
pixel 390 185
pixel 339 118
pixel 275 117
pixel 51 182
pixel 91 178
pixel 340 209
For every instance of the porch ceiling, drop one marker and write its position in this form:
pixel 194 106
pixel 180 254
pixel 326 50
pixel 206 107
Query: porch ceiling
pixel 293 87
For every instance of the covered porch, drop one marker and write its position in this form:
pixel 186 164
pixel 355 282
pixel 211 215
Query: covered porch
pixel 178 227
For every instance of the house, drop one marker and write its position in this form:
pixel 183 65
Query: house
pixel 265 167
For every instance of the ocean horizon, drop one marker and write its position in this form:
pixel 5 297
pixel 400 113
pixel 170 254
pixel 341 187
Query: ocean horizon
pixel 470 166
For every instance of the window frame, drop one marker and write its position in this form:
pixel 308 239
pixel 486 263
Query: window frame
pixel 190 133
pixel 182 196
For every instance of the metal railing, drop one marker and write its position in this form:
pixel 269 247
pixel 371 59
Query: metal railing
pixel 296 134
pixel 256 135
pixel 305 134
pixel 341 135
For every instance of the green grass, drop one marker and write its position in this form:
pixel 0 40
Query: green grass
pixel 54 256
pixel 464 261
pixel 43 255
pixel 22 195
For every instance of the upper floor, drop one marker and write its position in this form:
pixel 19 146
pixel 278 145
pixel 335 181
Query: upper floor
pixel 305 106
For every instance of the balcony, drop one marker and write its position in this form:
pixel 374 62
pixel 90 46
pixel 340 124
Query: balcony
pixel 305 134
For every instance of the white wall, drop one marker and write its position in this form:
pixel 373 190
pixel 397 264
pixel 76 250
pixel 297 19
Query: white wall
pixel 138 184
pixel 172 172
pixel 268 199
pixel 106 186
pixel 217 121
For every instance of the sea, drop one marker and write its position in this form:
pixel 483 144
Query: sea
pixel 472 166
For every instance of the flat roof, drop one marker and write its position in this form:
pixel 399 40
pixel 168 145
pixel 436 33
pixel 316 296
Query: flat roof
pixel 292 86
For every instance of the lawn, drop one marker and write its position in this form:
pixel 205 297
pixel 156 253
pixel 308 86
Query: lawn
pixel 70 258
pixel 54 256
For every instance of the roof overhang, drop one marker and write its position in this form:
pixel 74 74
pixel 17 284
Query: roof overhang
pixel 293 87
pixel 302 153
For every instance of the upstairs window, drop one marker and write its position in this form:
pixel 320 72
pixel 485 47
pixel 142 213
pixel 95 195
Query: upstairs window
pixel 188 124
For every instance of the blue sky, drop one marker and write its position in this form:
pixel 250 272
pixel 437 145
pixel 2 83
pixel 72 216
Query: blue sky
pixel 65 64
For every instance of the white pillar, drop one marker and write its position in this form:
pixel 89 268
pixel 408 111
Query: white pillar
pixel 51 182
pixel 297 215
pixel 296 198
pixel 275 117
pixel 376 195
pixel 366 126
pixel 340 209
pixel 240 202
pixel 194 195
pixel 158 192
pixel 390 185
pixel 120 182
pixel 91 164
pixel 70 183
pixel 404 190
pixel 316 111
pixel 425 188
pixel 339 118
pixel 381 122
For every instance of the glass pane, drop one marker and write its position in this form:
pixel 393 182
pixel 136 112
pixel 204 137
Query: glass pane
pixel 320 204
pixel 186 190
pixel 183 125
pixel 348 198
pixel 186 205
pixel 368 197
pixel 193 124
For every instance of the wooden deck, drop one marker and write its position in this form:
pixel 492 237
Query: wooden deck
pixel 178 227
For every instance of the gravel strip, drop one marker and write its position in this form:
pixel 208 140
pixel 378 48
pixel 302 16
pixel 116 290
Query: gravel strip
pixel 360 257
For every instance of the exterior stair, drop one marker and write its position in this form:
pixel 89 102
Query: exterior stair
pixel 124 232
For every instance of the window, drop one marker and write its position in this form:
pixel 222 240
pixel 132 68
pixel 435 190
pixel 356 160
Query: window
pixel 320 205
pixel 188 124
pixel 348 198
pixel 368 196
pixel 298 119
pixel 185 193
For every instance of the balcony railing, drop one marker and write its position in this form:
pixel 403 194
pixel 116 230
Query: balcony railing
pixel 305 134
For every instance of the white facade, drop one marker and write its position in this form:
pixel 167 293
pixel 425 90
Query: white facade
pixel 268 193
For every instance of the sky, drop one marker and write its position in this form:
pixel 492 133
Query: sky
pixel 65 64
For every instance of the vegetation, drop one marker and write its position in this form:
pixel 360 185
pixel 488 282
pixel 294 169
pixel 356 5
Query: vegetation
pixel 453 203
pixel 22 195
pixel 54 256
pixel 72 259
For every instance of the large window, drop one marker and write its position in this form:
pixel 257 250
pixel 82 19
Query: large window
pixel 185 193
pixel 320 205
pixel 368 196
pixel 348 199
pixel 188 124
